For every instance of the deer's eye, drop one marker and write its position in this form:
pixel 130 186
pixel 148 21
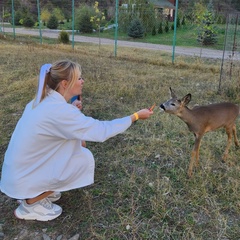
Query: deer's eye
pixel 173 104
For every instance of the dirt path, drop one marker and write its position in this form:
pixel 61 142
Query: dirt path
pixel 189 51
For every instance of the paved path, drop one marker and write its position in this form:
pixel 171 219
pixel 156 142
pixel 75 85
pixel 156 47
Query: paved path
pixel 189 51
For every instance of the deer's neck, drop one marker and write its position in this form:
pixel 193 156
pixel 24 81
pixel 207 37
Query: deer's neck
pixel 187 116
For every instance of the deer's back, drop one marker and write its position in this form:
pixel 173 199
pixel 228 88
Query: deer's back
pixel 216 115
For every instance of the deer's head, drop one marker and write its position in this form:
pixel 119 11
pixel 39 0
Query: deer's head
pixel 175 105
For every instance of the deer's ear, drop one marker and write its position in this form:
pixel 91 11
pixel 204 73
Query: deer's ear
pixel 172 93
pixel 185 100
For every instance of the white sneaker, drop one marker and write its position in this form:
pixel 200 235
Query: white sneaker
pixel 53 197
pixel 43 210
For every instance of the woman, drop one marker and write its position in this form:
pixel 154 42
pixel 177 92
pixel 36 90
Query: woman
pixel 45 155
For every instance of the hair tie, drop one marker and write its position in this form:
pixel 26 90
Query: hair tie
pixel 43 71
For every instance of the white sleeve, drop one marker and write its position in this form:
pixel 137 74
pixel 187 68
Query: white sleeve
pixel 72 124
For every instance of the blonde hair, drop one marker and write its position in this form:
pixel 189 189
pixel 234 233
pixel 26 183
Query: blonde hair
pixel 61 70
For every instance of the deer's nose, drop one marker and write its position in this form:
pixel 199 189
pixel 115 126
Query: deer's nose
pixel 162 106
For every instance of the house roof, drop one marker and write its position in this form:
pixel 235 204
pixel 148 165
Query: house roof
pixel 162 4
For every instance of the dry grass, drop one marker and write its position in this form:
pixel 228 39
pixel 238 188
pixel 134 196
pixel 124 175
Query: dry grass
pixel 141 189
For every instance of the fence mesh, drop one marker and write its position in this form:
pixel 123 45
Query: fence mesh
pixel 230 68
pixel 158 32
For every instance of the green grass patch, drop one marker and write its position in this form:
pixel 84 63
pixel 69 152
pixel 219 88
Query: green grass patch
pixel 141 188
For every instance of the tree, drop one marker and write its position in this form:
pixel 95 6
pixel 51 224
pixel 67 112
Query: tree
pixel 83 17
pixel 52 22
pixel 126 14
pixel 28 21
pixel 206 30
pixel 45 15
pixel 136 29
pixel 98 18
pixel 146 14
pixel 58 13
pixel 18 16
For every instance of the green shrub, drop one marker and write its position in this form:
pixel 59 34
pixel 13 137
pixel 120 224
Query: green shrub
pixel 63 37
pixel 160 28
pixel 28 22
pixel 52 22
pixel 183 21
pixel 83 16
pixel 178 22
pixel 154 32
pixel 136 29
pixel 17 18
pixel 166 27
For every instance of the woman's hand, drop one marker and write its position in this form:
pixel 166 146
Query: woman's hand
pixel 141 114
pixel 77 103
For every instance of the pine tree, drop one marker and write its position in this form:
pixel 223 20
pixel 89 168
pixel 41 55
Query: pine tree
pixel 83 19
pixel 136 29
pixel 207 34
pixel 52 22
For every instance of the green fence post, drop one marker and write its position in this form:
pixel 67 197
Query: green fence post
pixel 116 29
pixel 39 21
pixel 175 30
pixel 13 20
pixel 73 24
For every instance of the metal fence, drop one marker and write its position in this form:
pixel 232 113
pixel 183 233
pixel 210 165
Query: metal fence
pixel 230 67
pixel 120 20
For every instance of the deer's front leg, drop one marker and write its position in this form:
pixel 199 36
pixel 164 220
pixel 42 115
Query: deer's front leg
pixel 194 155
pixel 190 168
pixel 197 147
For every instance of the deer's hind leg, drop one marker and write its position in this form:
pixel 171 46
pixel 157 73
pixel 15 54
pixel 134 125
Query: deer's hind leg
pixel 234 130
pixel 229 131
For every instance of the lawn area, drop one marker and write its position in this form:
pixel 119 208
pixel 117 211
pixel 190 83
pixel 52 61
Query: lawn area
pixel 185 36
pixel 141 189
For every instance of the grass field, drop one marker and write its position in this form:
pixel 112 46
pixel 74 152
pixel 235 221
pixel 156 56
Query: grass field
pixel 141 188
pixel 185 36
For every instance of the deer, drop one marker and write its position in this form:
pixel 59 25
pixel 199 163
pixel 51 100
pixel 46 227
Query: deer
pixel 202 119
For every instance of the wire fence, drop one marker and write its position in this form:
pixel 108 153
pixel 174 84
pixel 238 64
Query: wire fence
pixel 230 67
pixel 162 32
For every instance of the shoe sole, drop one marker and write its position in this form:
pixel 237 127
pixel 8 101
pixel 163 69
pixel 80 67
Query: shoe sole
pixel 33 216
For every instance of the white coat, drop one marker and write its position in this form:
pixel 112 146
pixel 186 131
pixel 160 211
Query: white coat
pixel 45 152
